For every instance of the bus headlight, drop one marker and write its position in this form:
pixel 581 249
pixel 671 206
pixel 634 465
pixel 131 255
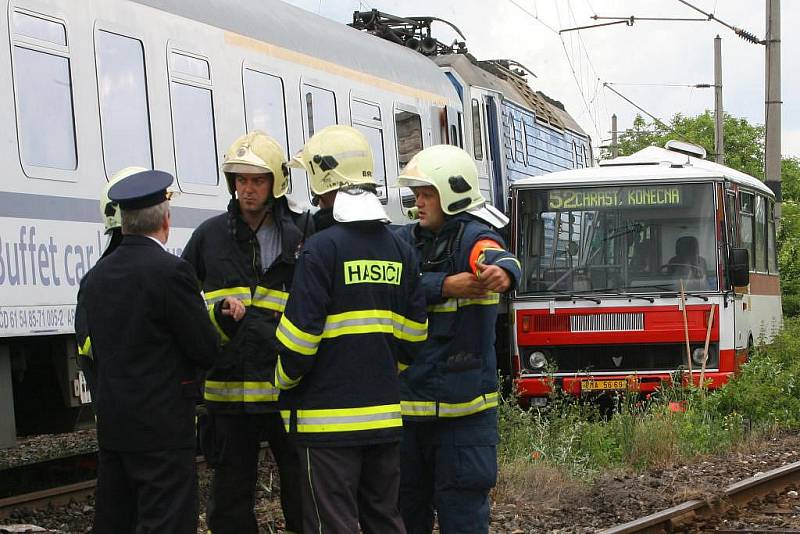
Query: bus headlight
pixel 537 360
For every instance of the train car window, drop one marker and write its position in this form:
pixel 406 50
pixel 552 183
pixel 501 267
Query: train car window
pixel 761 234
pixel 182 64
pixel 477 140
pixel 746 202
pixel 364 111
pixel 38 28
pixel 264 104
pixel 193 121
pixel 43 89
pixel 320 108
pixel 772 254
pixel 366 118
pixel 124 114
pixel 408 129
pixel 375 138
pixel 409 135
pixel 460 132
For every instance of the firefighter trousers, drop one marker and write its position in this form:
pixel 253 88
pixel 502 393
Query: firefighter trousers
pixel 450 466
pixel 231 444
pixel 350 487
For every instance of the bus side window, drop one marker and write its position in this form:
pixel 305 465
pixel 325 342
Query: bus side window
pixel 124 113
pixel 265 106
pixel 43 90
pixel 730 213
pixel 761 234
pixel 772 253
pixel 193 121
pixel 366 118
pixel 747 205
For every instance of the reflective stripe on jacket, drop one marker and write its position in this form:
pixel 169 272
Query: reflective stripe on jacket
pixel 356 314
pixel 226 254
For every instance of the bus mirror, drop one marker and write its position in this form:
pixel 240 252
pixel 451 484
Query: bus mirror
pixel 739 267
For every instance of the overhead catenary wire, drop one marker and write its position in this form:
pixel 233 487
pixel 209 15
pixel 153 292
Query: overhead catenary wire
pixel 637 106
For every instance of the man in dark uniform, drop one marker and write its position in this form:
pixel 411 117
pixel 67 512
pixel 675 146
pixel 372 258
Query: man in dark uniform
pixel 354 318
pixel 247 255
pixel 449 393
pixel 143 330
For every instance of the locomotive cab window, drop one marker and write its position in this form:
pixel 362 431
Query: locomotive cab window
pixel 193 123
pixel 122 89
pixel 477 140
pixel 366 118
pixel 43 91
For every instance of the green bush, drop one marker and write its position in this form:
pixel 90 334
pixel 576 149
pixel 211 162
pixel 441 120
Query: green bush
pixel 791 305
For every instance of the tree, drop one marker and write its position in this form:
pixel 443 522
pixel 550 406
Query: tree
pixel 744 142
pixel 744 151
pixel 790 178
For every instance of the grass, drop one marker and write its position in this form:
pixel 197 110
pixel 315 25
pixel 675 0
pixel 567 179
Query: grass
pixel 549 452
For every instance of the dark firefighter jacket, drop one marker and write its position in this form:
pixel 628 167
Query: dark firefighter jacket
pixel 356 316
pixel 455 373
pixel 143 332
pixel 226 255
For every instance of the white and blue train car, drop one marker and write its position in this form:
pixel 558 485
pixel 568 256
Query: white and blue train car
pixel 512 131
pixel 89 87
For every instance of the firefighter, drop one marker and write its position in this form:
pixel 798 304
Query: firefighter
pixel 449 394
pixel 110 212
pixel 248 255
pixel 143 331
pixel 356 316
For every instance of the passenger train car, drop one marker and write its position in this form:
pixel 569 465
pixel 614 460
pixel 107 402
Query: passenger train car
pixel 88 87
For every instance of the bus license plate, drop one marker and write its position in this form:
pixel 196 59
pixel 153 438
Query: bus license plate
pixel 603 385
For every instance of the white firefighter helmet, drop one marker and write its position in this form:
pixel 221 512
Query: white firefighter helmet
pixel 452 172
pixel 109 210
pixel 339 158
pixel 256 153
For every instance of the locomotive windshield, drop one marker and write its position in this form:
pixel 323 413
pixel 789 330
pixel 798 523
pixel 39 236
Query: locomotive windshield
pixel 617 239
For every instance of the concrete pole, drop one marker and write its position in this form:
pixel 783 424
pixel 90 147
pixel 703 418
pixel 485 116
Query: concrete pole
pixel 772 112
pixel 614 144
pixel 719 138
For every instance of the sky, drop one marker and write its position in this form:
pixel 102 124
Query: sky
pixel 573 66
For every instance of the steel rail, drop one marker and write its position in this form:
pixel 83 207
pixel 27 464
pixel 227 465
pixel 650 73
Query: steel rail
pixel 736 494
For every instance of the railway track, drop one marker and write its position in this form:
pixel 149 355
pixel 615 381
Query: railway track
pixel 55 482
pixel 688 514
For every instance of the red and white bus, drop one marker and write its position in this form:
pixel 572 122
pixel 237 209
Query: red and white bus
pixel 633 265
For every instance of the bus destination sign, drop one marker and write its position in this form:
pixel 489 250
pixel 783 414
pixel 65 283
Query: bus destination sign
pixel 660 196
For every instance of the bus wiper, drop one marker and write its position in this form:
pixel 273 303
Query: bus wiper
pixel 614 291
pixel 566 297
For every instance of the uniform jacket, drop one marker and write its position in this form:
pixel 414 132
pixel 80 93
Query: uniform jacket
pixel 455 373
pixel 356 315
pixel 227 257
pixel 143 331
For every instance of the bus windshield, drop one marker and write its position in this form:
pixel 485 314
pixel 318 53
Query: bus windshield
pixel 617 239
